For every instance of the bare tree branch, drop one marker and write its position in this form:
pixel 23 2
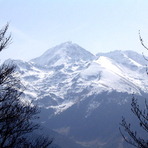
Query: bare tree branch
pixel 17 119
pixel 141 40
pixel 132 136
pixel 4 40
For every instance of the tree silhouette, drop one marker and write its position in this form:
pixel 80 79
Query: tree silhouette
pixel 131 136
pixel 17 116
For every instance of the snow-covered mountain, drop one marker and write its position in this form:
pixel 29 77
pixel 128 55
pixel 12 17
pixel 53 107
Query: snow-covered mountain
pixel 69 69
pixel 68 80
pixel 65 53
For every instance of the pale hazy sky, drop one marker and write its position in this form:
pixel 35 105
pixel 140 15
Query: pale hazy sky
pixel 96 25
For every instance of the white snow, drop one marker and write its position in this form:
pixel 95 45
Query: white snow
pixel 62 107
pixel 65 52
pixel 81 71
pixel 109 64
pixel 92 70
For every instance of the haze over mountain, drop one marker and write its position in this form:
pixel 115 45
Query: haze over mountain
pixel 82 95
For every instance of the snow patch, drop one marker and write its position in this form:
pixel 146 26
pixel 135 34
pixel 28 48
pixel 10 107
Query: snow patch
pixel 62 107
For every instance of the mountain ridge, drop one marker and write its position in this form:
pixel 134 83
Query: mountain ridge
pixel 116 70
pixel 75 91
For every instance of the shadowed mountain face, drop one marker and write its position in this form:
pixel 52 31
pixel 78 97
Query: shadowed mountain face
pixel 83 96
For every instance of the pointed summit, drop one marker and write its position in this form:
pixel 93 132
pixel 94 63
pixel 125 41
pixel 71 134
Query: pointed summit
pixel 67 52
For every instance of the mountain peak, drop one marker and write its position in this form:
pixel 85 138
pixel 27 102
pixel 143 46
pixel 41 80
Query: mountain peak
pixel 67 43
pixel 67 52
